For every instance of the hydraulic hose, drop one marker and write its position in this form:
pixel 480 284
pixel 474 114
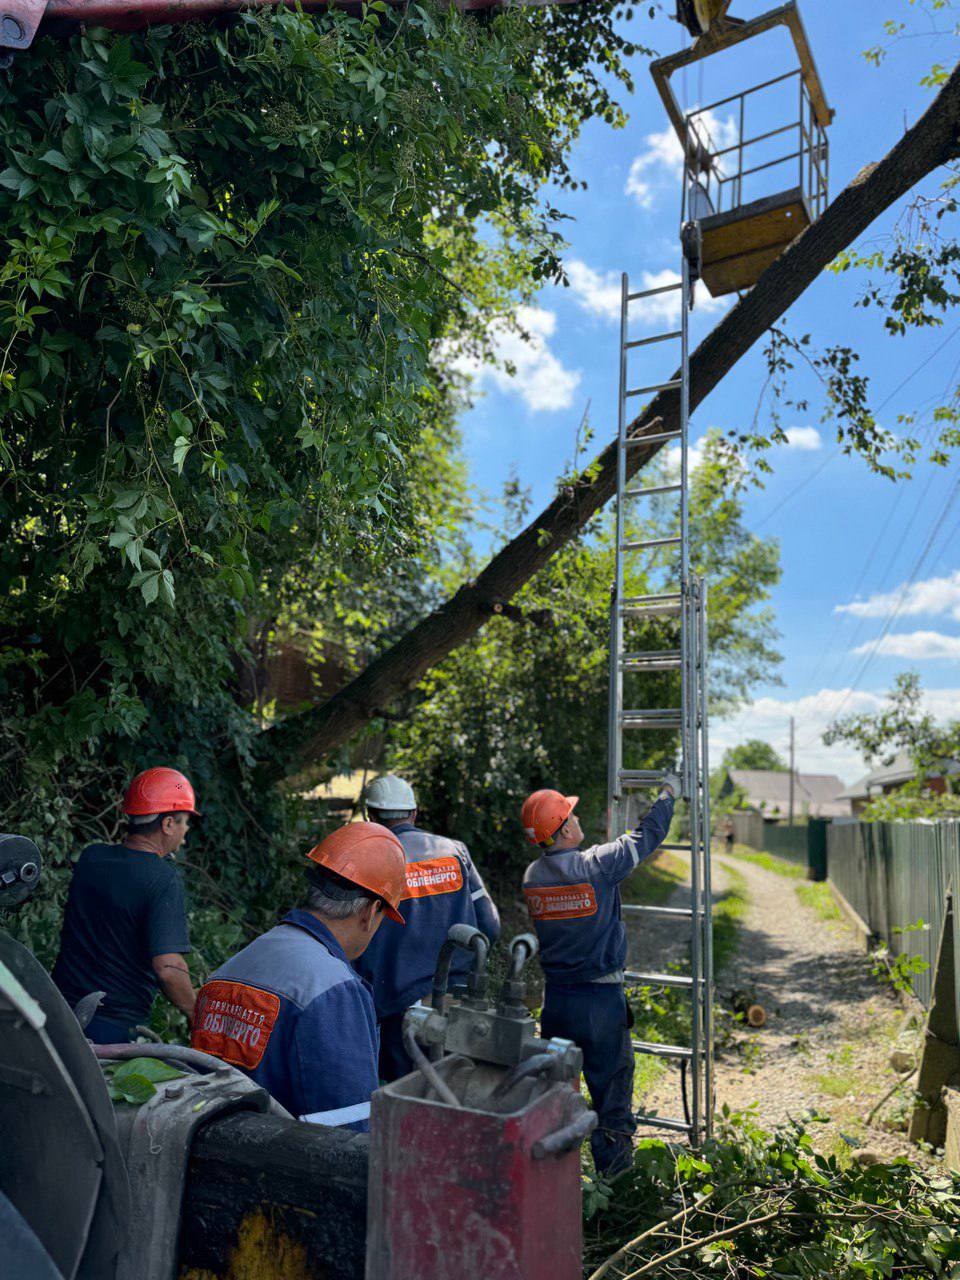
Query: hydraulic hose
pixel 522 949
pixel 538 1064
pixel 440 1087
pixel 463 936
pixel 165 1052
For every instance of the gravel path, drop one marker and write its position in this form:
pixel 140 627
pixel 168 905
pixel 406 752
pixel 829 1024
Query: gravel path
pixel 830 1026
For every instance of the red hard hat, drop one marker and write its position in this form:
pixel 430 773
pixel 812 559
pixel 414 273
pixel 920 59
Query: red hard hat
pixel 369 856
pixel 544 813
pixel 159 791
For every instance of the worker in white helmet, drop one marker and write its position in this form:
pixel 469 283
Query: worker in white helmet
pixel 443 888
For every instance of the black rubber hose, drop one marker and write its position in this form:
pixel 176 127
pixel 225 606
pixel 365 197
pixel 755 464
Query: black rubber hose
pixel 421 1060
pixel 462 936
pixel 522 949
pixel 538 1064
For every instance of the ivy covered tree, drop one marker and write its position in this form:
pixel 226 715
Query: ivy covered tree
pixel 238 257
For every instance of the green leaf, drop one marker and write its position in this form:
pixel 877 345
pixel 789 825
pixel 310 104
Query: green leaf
pixel 56 159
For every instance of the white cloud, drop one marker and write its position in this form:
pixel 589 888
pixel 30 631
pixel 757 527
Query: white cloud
pixel 660 164
pixel 803 439
pixel 935 597
pixel 596 293
pixel 769 719
pixel 538 376
pixel 916 645
pixel 599 295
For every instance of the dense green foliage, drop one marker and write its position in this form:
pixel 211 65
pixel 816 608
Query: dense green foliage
pixel 524 704
pixel 239 257
pixel 757 1204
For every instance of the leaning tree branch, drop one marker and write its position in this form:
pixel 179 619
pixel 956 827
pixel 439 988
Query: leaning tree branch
pixel 305 738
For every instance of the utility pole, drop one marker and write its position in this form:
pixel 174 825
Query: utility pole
pixel 792 762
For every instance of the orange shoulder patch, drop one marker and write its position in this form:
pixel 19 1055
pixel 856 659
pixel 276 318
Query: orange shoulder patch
pixel 561 901
pixel 234 1021
pixel 433 875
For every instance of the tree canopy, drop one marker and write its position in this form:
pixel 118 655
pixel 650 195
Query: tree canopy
pixel 753 754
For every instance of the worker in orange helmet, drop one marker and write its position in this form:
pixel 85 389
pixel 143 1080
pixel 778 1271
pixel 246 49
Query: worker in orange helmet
pixel 289 1009
pixel 125 925
pixel 573 897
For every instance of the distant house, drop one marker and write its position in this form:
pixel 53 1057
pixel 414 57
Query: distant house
pixel 767 791
pixel 893 776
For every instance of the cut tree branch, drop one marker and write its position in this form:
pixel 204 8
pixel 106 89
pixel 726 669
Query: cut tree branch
pixel 306 738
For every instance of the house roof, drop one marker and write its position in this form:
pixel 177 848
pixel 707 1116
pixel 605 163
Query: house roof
pixel 900 770
pixel 768 790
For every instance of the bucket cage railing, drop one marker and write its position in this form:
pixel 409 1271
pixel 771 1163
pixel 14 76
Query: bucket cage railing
pixel 719 173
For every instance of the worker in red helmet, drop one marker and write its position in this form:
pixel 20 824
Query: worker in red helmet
pixel 573 897
pixel 125 926
pixel 289 1009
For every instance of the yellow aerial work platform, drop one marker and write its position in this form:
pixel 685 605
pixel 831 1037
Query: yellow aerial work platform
pixel 750 203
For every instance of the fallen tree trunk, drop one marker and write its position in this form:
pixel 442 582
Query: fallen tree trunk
pixel 307 737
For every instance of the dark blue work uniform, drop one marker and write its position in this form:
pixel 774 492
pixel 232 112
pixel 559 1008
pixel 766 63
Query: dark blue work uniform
pixel 291 1012
pixel 125 906
pixel 573 897
pixel 443 888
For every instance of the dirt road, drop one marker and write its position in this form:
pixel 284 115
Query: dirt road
pixel 830 1025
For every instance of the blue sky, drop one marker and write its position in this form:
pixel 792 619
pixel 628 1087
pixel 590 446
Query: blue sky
pixel 850 541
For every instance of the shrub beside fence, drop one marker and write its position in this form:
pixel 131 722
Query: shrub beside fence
pixel 894 875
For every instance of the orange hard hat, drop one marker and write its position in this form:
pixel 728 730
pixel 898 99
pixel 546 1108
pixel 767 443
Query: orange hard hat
pixel 544 813
pixel 159 791
pixel 369 856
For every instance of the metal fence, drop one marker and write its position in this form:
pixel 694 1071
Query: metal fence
pixel 786 842
pixel 804 845
pixel 895 876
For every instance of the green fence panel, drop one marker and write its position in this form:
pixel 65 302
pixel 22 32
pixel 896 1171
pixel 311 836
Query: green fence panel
pixel 786 842
pixel 897 876
pixel 817 848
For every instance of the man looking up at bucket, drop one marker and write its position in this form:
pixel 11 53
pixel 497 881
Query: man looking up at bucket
pixel 443 888
pixel 573 897
pixel 289 1009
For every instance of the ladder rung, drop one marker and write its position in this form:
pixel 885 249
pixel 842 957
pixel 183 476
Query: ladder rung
pixel 652 606
pixel 662 1050
pixel 642 777
pixel 659 337
pixel 649 720
pixel 666 660
pixel 659 438
pixel 645 543
pixel 652 489
pixel 675 848
pixel 672 385
pixel 646 909
pixel 652 293
pixel 662 1122
pixel 660 979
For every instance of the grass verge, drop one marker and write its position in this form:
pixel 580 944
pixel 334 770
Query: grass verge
pixel 769 862
pixel 819 899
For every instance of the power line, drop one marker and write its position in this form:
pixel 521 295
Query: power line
pixel 901 598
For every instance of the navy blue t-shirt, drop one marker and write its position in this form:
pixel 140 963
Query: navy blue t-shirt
pixel 125 906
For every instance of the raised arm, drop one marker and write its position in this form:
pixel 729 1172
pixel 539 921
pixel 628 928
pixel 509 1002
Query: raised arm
pixel 618 858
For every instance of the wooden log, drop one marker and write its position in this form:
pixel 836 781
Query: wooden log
pixel 276 1200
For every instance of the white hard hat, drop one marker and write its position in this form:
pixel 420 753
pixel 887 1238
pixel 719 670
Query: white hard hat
pixel 391 793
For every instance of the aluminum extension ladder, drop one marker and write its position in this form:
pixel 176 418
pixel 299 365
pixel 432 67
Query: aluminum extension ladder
pixel 687 603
